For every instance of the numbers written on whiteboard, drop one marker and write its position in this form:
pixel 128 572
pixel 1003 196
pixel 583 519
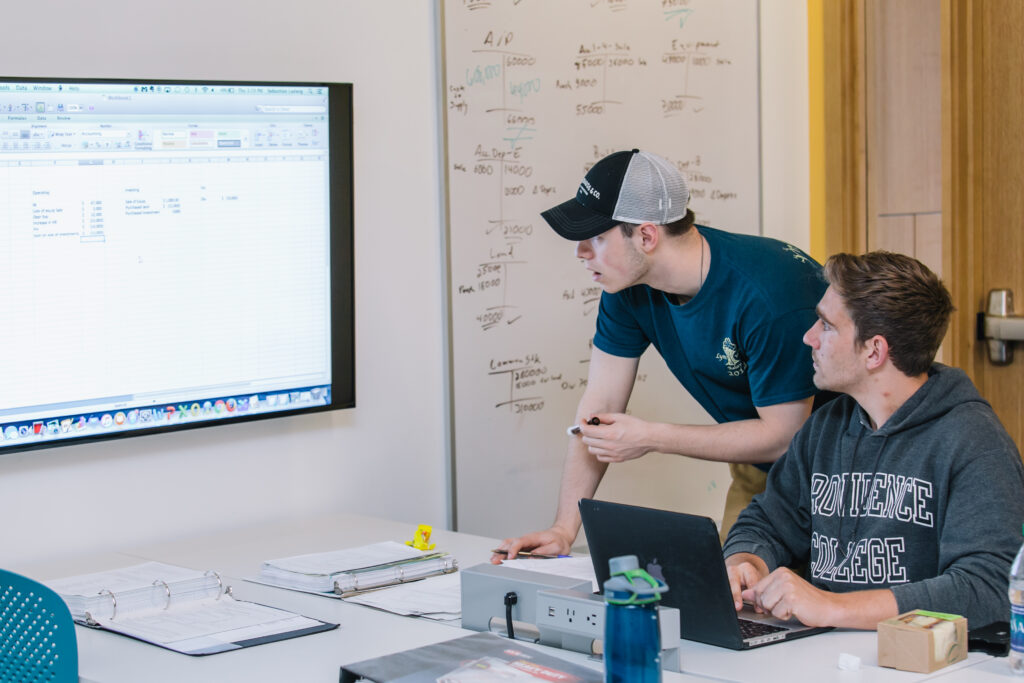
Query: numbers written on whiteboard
pixel 528 382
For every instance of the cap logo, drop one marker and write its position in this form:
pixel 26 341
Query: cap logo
pixel 587 188
pixel 623 187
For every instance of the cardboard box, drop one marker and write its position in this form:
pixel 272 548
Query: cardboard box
pixel 922 641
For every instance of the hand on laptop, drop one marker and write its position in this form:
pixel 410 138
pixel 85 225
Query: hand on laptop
pixel 745 571
pixel 780 593
pixel 553 541
pixel 785 595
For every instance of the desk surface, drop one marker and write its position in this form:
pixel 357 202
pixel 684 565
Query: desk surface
pixel 364 632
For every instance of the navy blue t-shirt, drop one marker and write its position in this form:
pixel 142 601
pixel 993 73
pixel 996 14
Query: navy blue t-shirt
pixel 738 343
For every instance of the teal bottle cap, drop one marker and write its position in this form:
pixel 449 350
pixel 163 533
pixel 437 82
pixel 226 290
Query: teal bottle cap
pixel 630 585
pixel 623 564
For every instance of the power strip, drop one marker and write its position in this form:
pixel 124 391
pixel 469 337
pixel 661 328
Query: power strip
pixel 485 585
pixel 564 611
pixel 567 612
pixel 574 620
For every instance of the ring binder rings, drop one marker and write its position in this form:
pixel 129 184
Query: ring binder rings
pixel 113 609
pixel 345 573
pixel 197 621
pixel 220 582
pixel 374 578
pixel 166 588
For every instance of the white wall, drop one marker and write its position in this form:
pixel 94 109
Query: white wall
pixel 385 457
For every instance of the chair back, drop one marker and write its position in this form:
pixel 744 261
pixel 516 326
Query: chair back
pixel 37 634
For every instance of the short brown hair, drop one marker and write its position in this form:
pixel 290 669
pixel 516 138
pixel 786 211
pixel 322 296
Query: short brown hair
pixel 674 229
pixel 895 296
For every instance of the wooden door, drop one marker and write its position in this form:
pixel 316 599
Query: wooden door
pixel 983 183
pixel 903 118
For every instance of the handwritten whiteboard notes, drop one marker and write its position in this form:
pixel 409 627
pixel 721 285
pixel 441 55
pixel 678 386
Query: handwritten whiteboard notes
pixel 536 93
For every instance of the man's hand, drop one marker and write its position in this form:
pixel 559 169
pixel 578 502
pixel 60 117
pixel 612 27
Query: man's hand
pixel 780 593
pixel 553 541
pixel 745 571
pixel 618 438
pixel 785 595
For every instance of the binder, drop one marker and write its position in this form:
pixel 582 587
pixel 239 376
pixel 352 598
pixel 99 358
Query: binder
pixel 349 572
pixel 479 657
pixel 183 610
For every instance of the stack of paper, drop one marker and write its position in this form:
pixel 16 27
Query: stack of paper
pixel 575 567
pixel 438 598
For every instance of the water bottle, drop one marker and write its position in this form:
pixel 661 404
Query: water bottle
pixel 632 639
pixel 1017 614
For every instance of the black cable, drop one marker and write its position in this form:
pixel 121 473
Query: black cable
pixel 510 599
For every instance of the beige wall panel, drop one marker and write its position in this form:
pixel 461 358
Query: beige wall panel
pixel 893 233
pixel 928 250
pixel 904 106
pixel 928 240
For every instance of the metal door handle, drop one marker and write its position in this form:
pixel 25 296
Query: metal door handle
pixel 999 327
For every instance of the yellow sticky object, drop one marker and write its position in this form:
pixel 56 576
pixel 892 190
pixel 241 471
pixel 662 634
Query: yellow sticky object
pixel 421 539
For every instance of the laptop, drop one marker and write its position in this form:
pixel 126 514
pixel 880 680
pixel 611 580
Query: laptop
pixel 684 551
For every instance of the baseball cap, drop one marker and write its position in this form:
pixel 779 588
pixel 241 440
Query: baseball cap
pixel 624 187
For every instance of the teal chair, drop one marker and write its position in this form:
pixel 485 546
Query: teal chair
pixel 37 634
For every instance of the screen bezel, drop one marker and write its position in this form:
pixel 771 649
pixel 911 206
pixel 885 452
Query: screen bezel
pixel 341 253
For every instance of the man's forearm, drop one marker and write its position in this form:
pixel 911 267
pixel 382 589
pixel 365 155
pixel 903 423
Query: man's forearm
pixel 581 475
pixel 743 441
pixel 863 609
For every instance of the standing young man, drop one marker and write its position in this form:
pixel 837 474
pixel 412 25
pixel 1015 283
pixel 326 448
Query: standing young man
pixel 726 312
pixel 906 493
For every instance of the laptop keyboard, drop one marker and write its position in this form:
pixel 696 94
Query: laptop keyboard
pixel 755 629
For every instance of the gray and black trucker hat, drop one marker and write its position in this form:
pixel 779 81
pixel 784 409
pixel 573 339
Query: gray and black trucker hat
pixel 624 187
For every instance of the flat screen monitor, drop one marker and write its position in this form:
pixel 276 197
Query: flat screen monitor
pixel 173 254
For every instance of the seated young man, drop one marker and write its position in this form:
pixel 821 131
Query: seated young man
pixel 906 492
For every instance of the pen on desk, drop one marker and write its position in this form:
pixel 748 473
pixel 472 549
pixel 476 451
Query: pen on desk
pixel 526 553
pixel 575 429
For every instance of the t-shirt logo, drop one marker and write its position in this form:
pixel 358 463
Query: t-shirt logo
pixel 730 356
pixel 797 254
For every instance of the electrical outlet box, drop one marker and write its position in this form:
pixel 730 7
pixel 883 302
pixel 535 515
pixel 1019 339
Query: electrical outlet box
pixel 484 587
pixel 570 619
pixel 555 610
pixel 574 620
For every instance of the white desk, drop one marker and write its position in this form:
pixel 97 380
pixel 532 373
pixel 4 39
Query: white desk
pixel 363 632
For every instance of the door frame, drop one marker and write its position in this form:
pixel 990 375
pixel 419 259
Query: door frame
pixel 844 126
pixel 961 220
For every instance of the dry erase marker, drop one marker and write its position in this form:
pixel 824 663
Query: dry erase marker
pixel 575 429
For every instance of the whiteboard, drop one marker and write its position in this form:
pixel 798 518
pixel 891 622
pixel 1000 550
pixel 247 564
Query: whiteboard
pixel 536 93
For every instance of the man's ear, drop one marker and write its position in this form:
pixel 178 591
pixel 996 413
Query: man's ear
pixel 649 236
pixel 876 352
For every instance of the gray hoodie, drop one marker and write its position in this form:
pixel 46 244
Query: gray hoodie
pixel 930 505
